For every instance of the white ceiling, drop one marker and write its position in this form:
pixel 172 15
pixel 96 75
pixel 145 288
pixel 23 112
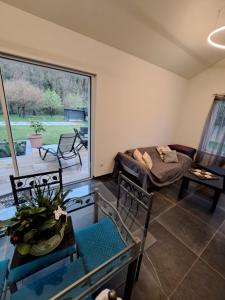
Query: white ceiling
pixel 168 33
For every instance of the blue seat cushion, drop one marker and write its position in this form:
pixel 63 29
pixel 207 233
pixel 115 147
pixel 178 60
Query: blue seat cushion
pixel 99 242
pixel 3 273
pixel 51 284
pixel 18 273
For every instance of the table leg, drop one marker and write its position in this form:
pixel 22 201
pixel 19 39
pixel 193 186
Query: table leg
pixel 138 267
pixel 215 200
pixel 184 185
pixel 223 183
pixel 131 273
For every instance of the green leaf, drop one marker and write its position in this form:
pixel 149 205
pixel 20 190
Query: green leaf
pixel 37 210
pixel 23 248
pixel 47 224
pixel 29 235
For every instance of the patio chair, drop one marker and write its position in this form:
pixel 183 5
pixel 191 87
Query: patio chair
pixel 83 142
pixel 64 150
pixel 83 132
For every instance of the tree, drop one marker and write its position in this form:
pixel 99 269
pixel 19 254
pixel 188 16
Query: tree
pixel 52 102
pixel 74 102
pixel 62 82
pixel 22 97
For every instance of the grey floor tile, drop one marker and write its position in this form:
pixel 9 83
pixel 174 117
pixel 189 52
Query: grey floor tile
pixel 111 185
pixel 214 254
pixel 170 257
pixel 160 204
pixel 200 207
pixel 222 228
pixel 147 286
pixel 138 213
pixel 130 221
pixel 206 192
pixel 221 202
pixel 150 239
pixel 171 191
pixel 202 283
pixel 191 231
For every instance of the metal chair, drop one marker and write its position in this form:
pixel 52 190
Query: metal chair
pixel 51 182
pixel 27 183
pixel 64 150
pixel 83 142
pixel 139 199
pixel 83 132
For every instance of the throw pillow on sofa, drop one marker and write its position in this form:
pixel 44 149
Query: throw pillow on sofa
pixel 138 156
pixel 171 156
pixel 161 150
pixel 148 161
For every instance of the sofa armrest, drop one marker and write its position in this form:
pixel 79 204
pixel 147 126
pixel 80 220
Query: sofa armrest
pixel 189 151
pixel 129 164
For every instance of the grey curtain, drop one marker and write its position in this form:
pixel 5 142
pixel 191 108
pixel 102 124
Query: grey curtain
pixel 212 145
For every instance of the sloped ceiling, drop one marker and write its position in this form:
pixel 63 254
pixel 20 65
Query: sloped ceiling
pixel 169 33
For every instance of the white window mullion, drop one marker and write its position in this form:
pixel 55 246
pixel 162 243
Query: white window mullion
pixel 8 127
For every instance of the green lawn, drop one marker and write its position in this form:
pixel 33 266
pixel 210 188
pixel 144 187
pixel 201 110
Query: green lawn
pixel 51 135
pixel 42 118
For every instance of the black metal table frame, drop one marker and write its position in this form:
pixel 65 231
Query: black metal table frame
pixel 132 263
pixel 185 183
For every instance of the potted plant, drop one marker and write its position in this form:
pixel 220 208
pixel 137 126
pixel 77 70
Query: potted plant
pixel 38 226
pixel 36 138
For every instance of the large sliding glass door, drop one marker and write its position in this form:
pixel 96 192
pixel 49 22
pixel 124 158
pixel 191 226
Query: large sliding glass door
pixel 42 97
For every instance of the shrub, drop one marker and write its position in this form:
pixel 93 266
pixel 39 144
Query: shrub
pixel 37 126
pixel 52 102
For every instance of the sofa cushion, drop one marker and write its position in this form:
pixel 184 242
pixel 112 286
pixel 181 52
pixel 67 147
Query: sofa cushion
pixel 148 161
pixel 170 156
pixel 161 150
pixel 99 242
pixel 138 156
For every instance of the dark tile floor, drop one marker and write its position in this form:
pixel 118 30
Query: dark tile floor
pixel 184 256
pixel 187 259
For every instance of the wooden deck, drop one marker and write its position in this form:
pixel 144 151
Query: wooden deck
pixel 32 163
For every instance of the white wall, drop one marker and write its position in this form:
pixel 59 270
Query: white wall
pixel 197 103
pixel 137 103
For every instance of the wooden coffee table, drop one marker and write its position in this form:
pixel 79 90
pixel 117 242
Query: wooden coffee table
pixel 215 184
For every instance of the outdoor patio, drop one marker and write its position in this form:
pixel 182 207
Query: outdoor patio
pixel 32 163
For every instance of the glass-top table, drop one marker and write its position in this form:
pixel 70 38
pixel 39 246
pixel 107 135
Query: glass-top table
pixel 88 269
pixel 102 247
